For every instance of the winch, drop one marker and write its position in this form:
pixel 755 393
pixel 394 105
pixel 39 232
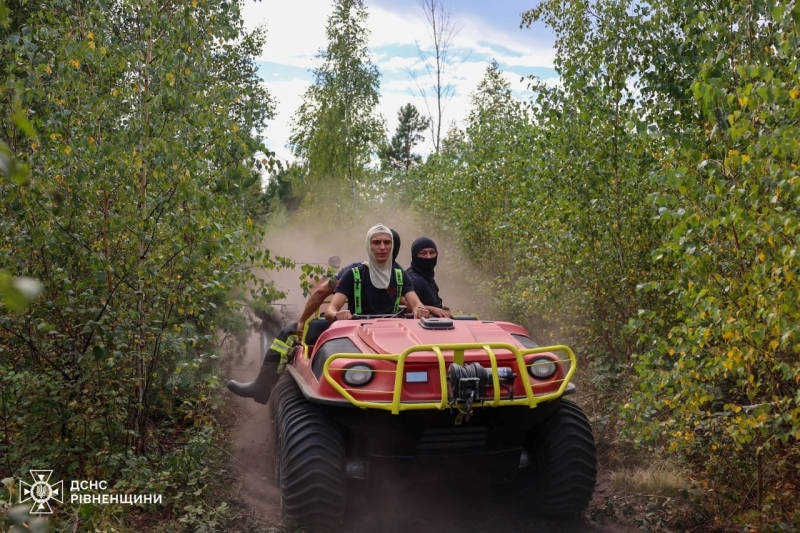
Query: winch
pixel 467 384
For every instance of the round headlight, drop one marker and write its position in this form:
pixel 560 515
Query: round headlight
pixel 542 368
pixel 357 374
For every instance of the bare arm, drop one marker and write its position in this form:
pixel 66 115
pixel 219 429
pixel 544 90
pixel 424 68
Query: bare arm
pixel 332 312
pixel 432 309
pixel 322 290
pixel 415 305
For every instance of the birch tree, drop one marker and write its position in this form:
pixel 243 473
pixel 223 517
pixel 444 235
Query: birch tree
pixel 336 130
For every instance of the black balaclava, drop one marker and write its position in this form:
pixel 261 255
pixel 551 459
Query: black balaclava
pixel 423 266
pixel 395 244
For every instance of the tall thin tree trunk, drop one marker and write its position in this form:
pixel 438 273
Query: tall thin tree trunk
pixel 442 32
pixel 439 91
pixel 141 363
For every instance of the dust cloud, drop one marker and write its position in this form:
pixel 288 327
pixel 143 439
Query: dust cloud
pixel 251 454
pixel 311 239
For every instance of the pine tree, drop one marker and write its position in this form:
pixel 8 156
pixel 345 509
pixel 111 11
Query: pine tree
pixel 398 153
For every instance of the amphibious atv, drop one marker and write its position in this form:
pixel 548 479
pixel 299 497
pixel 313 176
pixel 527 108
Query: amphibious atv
pixel 469 400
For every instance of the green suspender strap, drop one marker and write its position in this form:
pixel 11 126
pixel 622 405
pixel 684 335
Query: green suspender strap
pixel 357 287
pixel 398 276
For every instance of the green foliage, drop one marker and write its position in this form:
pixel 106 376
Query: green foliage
pixel 563 229
pixel 311 274
pixel 645 212
pixel 722 378
pixel 397 154
pixel 281 191
pixel 336 129
pixel 4 12
pixel 138 223
pixel 468 184
pixel 17 292
pixel 591 183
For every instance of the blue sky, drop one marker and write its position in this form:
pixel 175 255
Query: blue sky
pixel 489 29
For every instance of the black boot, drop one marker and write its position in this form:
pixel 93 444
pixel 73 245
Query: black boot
pixel 261 388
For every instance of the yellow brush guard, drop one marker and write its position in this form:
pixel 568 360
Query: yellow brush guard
pixel 458 350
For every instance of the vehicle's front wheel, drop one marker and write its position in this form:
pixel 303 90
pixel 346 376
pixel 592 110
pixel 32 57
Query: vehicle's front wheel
pixel 563 462
pixel 311 460
pixel 265 341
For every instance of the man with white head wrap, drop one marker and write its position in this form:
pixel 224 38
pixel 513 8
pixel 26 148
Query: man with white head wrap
pixel 376 286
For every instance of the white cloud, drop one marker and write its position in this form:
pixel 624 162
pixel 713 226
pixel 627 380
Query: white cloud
pixel 553 82
pixel 397 63
pixel 478 35
pixel 390 28
pixel 295 30
pixel 403 85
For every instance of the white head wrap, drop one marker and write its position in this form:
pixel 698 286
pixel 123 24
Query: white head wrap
pixel 379 273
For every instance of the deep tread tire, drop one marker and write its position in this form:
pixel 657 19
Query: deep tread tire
pixel 563 462
pixel 285 383
pixel 311 460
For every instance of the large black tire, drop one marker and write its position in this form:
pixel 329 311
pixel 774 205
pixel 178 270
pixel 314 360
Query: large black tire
pixel 310 460
pixel 285 383
pixel 265 341
pixel 563 461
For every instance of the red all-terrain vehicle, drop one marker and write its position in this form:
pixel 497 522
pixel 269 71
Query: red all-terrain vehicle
pixel 470 400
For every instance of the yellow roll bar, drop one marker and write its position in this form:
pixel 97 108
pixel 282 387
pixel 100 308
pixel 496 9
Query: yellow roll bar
pixel 459 350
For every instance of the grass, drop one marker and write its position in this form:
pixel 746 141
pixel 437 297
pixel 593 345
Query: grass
pixel 658 479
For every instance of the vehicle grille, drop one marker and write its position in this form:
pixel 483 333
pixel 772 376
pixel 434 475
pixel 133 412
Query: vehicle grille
pixel 462 438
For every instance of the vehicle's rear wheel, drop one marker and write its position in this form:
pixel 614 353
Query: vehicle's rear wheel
pixel 285 382
pixel 563 459
pixel 310 460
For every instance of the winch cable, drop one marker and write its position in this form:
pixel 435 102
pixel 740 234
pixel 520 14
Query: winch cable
pixel 456 376
pixel 472 370
pixel 457 372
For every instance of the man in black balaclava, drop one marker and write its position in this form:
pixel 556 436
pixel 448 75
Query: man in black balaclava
pixel 423 260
